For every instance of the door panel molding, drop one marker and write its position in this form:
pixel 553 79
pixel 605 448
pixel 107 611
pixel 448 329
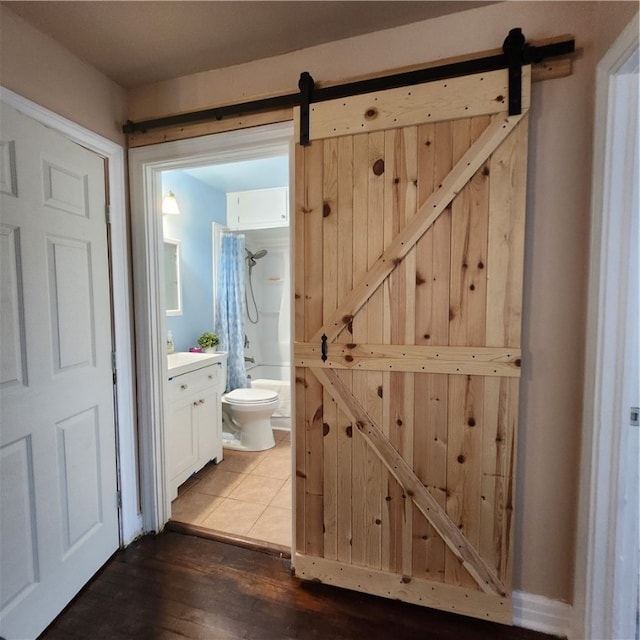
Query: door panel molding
pixel 65 416
pixel 113 154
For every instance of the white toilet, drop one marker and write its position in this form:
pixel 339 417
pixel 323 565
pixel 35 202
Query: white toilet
pixel 246 419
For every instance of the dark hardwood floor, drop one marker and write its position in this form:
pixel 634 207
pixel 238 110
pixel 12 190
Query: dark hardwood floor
pixel 179 586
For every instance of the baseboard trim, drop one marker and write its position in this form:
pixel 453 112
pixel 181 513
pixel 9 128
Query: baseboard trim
pixel 541 614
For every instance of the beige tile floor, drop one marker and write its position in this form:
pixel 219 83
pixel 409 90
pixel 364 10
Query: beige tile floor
pixel 247 494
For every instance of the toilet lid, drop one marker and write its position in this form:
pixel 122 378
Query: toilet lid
pixel 250 396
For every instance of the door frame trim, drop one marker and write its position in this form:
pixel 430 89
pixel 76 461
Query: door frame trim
pixel 595 552
pixel 146 165
pixel 130 523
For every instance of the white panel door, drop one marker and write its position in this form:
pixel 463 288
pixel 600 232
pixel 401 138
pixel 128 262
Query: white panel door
pixel 58 492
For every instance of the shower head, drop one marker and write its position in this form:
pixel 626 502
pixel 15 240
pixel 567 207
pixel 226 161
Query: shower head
pixel 252 257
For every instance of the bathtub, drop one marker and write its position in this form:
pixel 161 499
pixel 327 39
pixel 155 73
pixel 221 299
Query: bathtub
pixel 276 378
pixel 269 371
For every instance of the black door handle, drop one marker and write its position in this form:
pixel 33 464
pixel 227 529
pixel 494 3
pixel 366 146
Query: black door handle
pixel 323 347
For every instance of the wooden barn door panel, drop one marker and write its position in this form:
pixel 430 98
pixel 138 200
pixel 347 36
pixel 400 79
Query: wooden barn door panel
pixel 409 243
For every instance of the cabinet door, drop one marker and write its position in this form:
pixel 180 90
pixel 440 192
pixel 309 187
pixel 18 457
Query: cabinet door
pixel 194 422
pixel 210 446
pixel 258 209
pixel 182 442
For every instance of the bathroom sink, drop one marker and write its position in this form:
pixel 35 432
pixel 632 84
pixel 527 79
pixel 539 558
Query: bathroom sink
pixel 186 361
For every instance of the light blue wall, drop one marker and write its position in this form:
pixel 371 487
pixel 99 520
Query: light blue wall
pixel 200 205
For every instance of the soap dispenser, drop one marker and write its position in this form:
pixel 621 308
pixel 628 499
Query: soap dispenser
pixel 171 347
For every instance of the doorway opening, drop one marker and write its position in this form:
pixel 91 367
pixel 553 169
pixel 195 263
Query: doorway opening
pixel 243 496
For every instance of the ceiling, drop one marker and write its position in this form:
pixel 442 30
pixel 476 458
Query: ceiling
pixel 142 42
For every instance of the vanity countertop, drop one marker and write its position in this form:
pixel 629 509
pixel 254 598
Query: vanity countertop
pixel 186 361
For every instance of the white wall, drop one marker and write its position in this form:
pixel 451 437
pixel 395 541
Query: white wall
pixel 38 68
pixel 270 338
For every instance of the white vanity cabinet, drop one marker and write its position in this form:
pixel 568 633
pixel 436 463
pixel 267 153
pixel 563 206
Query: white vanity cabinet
pixel 194 419
pixel 258 209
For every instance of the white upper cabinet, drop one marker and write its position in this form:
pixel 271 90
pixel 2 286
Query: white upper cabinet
pixel 258 209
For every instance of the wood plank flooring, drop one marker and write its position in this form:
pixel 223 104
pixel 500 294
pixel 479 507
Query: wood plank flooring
pixel 178 586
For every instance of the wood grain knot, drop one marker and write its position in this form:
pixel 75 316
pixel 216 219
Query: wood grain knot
pixel 410 493
pixel 419 279
pixel 500 98
pixel 351 345
pixel 388 498
pixel 349 431
pixel 406 579
pixel 485 170
pixel 461 459
pixel 371 113
pixel 378 167
pixel 399 422
pixel 300 474
pixel 347 319
pixel 518 362
pixel 302 381
pixel 326 210
pixel 378 521
pixel 349 358
pixel 318 414
pixel 325 429
pixel 380 392
pixel 471 422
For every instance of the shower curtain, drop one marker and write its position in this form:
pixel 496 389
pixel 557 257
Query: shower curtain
pixel 229 323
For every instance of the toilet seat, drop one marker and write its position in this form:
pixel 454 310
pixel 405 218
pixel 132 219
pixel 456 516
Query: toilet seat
pixel 250 396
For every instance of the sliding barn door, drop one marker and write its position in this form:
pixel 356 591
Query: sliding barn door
pixel 408 267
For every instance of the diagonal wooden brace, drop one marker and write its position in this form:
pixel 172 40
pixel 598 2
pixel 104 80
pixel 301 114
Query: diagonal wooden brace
pixel 404 474
pixel 428 213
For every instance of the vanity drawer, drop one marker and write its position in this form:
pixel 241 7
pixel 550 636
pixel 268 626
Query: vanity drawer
pixel 184 385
